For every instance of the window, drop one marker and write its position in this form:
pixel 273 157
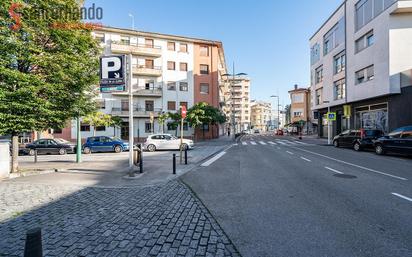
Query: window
pixel 365 75
pixel 149 42
pixel 101 128
pixel 171 86
pixel 204 69
pixel 183 104
pixel 171 126
pixel 297 98
pixel 149 64
pixel 149 106
pixel 204 88
pixel 149 85
pixel 171 46
pixel 183 48
pixel 183 66
pixel 125 40
pixel 204 51
pixel 99 37
pixel 185 126
pixel 339 63
pixel 339 89
pixel 125 105
pixel 183 86
pixel 318 96
pixel 319 75
pixel 171 106
pixel 364 41
pixel 171 65
pixel 148 127
pixel 57 131
pixel 297 113
pixel 334 37
pixel 367 10
pixel 84 127
pixel 315 53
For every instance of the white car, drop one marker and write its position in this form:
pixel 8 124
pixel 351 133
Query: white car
pixel 166 142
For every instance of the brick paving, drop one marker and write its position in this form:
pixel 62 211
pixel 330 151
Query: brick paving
pixel 164 220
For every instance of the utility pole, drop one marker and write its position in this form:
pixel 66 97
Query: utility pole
pixel 79 140
pixel 131 134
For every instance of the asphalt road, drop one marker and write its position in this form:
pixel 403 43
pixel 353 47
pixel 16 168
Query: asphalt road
pixel 279 197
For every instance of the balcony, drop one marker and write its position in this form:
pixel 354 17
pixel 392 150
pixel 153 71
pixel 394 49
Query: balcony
pixel 143 70
pixel 149 91
pixel 137 112
pixel 144 50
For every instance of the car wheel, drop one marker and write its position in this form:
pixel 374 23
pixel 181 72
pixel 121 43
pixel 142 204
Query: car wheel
pixel 379 150
pixel 185 147
pixel 151 148
pixel 87 150
pixel 62 151
pixel 336 143
pixel 118 149
pixel 32 152
pixel 357 147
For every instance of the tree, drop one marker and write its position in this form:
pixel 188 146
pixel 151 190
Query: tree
pixel 202 114
pixel 47 72
pixel 175 121
pixel 162 120
pixel 98 119
pixel 288 114
pixel 116 122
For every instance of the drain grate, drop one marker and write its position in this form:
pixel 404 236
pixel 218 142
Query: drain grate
pixel 345 176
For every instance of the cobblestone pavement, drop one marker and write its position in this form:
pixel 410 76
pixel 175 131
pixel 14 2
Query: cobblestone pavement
pixel 165 220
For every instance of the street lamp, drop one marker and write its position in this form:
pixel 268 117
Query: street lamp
pixel 276 96
pixel 329 124
pixel 234 75
pixel 79 137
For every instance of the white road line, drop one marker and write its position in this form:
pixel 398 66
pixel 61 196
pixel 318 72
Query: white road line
pixel 303 158
pixel 403 197
pixel 244 143
pixel 253 142
pixel 351 164
pixel 282 143
pixel 212 160
pixel 272 143
pixel 290 153
pixel 262 143
pixel 235 144
pixel 333 170
pixel 301 143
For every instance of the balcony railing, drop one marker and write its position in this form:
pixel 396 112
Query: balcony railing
pixel 145 70
pixel 137 111
pixel 139 49
pixel 148 91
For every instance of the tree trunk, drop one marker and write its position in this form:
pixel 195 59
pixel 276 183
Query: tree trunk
pixel 15 153
pixel 203 128
pixel 94 131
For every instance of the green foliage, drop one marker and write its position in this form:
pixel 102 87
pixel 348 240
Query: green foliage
pixel 202 113
pixel 46 73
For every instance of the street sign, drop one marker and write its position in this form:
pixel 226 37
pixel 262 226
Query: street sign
pixel 112 88
pixel 331 116
pixel 184 112
pixel 112 70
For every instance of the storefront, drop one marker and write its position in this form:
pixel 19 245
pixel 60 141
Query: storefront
pixel 373 116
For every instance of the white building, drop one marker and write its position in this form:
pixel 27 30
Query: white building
pixel 361 57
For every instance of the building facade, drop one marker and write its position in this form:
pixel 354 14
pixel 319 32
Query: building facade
pixel 168 72
pixel 361 62
pixel 300 110
pixel 261 114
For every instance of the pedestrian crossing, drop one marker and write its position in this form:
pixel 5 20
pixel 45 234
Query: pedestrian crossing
pixel 274 142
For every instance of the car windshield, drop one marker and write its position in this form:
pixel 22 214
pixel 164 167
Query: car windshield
pixel 116 139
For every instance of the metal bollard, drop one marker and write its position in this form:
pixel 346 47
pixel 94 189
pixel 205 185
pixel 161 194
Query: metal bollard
pixel 33 246
pixel 35 156
pixel 174 164
pixel 141 158
pixel 185 156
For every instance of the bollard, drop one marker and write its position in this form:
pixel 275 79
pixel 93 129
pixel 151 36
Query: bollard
pixel 33 246
pixel 35 156
pixel 186 156
pixel 141 158
pixel 174 164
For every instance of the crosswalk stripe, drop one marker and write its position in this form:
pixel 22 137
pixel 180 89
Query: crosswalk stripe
pixel 253 142
pixel 297 142
pixel 272 143
pixel 262 143
pixel 244 143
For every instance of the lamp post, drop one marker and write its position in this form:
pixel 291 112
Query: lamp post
pixel 276 96
pixel 329 124
pixel 232 115
pixel 132 16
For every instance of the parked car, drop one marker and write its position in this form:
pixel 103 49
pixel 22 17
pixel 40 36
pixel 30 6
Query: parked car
pixel 279 132
pixel 256 131
pixel 104 144
pixel 50 146
pixel 166 142
pixel 398 141
pixel 357 139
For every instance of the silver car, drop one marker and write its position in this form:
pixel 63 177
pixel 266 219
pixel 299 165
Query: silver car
pixel 166 142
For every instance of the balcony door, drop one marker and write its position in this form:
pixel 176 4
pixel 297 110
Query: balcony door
pixel 149 43
pixel 149 106
pixel 149 64
pixel 125 105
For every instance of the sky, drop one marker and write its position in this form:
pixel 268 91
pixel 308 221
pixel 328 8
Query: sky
pixel 267 39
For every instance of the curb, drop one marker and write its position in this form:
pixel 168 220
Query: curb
pixel 31 173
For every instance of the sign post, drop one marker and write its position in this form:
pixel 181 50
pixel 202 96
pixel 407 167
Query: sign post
pixel 183 114
pixel 152 122
pixel 131 134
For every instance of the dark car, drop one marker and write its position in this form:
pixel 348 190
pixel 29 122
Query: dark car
pixel 50 146
pixel 357 139
pixel 104 144
pixel 398 141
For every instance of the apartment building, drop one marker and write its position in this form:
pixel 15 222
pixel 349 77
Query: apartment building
pixel 236 92
pixel 168 72
pixel 300 109
pixel 261 113
pixel 361 61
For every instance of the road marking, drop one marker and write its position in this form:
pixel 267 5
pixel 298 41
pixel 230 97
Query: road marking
pixel 403 197
pixel 298 142
pixel 303 158
pixel 290 153
pixel 272 143
pixel 235 144
pixel 253 142
pixel 212 160
pixel 282 143
pixel 244 143
pixel 262 143
pixel 333 170
pixel 351 164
